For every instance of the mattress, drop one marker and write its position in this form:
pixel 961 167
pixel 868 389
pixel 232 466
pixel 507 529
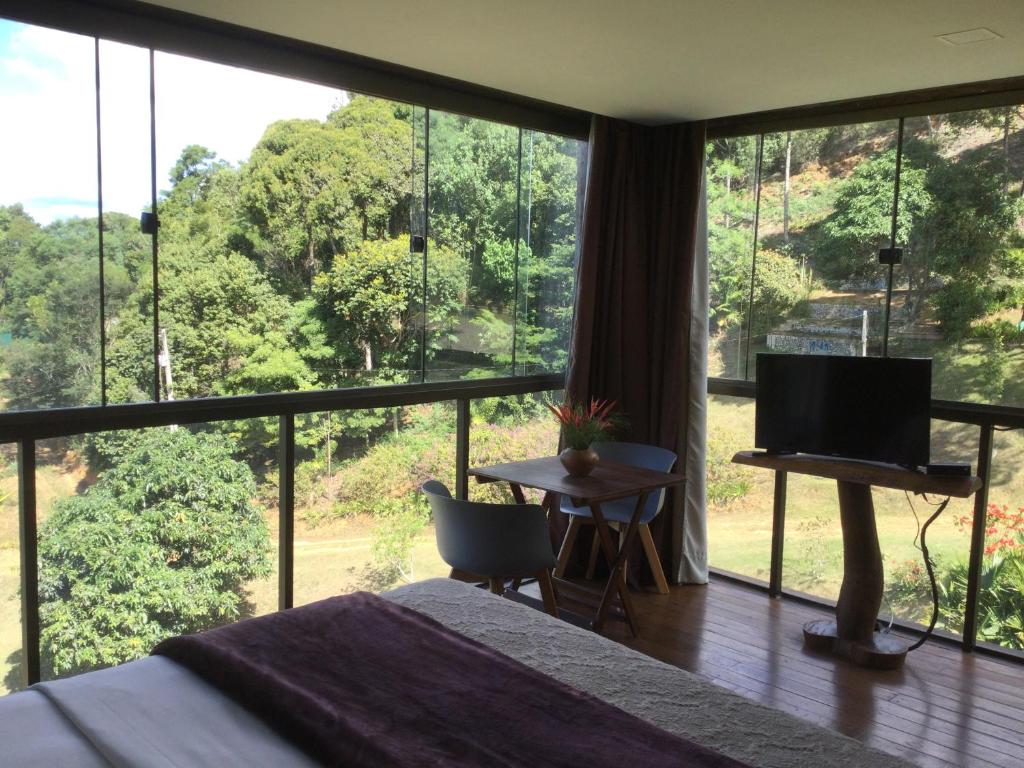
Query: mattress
pixel 153 712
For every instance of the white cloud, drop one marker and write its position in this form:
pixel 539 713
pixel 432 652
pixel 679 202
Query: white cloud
pixel 48 118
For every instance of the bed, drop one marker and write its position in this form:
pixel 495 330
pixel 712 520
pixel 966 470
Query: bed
pixel 154 712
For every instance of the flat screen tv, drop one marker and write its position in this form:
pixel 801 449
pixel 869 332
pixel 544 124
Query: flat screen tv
pixel 870 408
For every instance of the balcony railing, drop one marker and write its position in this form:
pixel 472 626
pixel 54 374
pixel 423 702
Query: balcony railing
pixel 989 419
pixel 27 428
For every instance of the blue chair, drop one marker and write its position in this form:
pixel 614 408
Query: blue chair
pixel 493 541
pixel 620 512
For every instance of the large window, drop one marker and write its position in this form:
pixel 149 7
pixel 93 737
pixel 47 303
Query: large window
pixel 796 220
pixel 308 238
pixel 824 202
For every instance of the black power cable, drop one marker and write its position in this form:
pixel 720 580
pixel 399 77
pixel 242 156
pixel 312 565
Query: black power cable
pixel 930 569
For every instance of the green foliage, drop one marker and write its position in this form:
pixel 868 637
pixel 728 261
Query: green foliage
pixel 861 222
pixel 162 544
pixel 778 288
pixel 400 523
pixel 1000 613
pixel 376 295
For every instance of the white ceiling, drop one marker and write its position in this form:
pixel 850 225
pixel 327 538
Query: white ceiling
pixel 660 60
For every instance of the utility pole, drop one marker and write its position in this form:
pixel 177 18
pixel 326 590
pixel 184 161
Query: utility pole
pixel 164 358
pixel 864 335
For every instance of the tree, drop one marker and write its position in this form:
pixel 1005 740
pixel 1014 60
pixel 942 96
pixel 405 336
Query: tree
pixel 314 190
pixel 225 328
pixel 163 544
pixel 377 144
pixel 861 223
pixel 294 193
pixel 375 295
pixel 777 289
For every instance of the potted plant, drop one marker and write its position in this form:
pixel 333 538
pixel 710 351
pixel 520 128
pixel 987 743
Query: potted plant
pixel 583 425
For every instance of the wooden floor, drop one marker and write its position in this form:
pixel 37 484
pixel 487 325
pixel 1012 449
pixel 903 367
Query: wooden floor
pixel 944 708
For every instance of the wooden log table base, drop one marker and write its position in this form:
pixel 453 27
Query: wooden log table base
pixel 883 652
pixel 852 635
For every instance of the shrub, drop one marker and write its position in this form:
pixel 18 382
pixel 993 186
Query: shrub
pixel 163 544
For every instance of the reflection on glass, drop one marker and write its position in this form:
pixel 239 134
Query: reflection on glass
pixel 151 533
pixel 472 254
pixel 49 253
pixel 360 522
pixel 960 286
pixel 826 209
pixel 731 202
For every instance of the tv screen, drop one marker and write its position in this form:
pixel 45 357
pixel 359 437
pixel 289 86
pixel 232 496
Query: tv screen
pixel 869 408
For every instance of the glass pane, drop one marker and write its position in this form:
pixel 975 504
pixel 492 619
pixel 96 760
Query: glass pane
pixel 740 499
pixel 147 534
pixel 472 252
pixel 961 286
pixel 127 252
pixel 49 253
pixel 1000 603
pixel 360 523
pixel 553 171
pixel 826 209
pixel 285 239
pixel 731 201
pixel 510 428
pixel 907 589
pixel 10 574
pixel 813 553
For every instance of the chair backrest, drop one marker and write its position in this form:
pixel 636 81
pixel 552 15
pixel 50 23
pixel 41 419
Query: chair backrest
pixel 640 455
pixel 493 540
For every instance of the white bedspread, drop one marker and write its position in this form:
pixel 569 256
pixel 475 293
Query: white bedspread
pixel 154 713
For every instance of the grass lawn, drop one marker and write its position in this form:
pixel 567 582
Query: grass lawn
pixel 740 528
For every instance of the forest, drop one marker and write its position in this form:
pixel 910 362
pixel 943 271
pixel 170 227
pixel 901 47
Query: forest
pixel 292 270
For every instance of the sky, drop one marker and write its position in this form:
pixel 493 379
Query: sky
pixel 48 118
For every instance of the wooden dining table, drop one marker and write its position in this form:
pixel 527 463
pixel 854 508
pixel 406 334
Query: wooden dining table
pixel 609 481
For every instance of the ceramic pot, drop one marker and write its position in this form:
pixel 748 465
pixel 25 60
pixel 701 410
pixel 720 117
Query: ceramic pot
pixel 578 463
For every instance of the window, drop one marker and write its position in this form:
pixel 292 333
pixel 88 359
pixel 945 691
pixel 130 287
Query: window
pixel 793 244
pixel 49 252
pixel 308 238
pixel 825 200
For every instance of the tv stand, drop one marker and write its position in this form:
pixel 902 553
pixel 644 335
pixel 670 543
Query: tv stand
pixel 852 634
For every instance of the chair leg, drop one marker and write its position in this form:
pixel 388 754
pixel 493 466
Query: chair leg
pixel 497 586
pixel 595 548
pixel 547 592
pixel 567 544
pixel 652 559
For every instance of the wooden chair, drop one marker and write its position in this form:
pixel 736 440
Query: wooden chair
pixel 496 541
pixel 619 512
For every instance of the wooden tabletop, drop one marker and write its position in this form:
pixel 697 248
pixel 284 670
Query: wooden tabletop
pixel 863 472
pixel 609 480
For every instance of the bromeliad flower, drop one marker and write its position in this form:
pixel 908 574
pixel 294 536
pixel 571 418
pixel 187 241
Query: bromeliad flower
pixel 586 424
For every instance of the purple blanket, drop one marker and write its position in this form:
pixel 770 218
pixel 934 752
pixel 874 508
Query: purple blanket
pixel 359 681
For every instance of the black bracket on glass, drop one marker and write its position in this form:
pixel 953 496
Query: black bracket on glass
pixel 148 223
pixel 890 256
pixel 417 244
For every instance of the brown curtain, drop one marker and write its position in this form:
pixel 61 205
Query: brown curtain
pixel 630 338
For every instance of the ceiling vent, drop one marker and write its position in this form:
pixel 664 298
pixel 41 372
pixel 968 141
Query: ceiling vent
pixel 969 36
